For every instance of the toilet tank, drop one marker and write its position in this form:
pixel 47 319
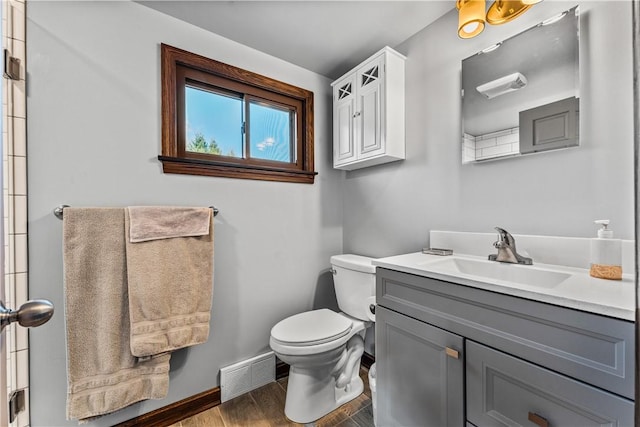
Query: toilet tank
pixel 354 280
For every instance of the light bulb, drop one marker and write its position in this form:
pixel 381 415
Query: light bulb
pixel 470 27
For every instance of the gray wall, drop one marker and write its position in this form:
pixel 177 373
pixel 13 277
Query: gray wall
pixel 390 209
pixel 94 134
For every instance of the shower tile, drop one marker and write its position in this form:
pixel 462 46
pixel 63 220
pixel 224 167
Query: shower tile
pixel 19 140
pixel 20 178
pixel 21 296
pixel 21 253
pixel 17 22
pixel 17 99
pixel 20 214
pixel 22 357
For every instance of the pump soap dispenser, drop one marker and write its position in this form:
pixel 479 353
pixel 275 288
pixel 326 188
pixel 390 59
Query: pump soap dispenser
pixel 606 254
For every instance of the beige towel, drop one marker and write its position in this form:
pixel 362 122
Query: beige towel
pixel 103 375
pixel 170 290
pixel 163 222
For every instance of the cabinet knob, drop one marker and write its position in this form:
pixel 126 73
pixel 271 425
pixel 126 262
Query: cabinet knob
pixel 538 420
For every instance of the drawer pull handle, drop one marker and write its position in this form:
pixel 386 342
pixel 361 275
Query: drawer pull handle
pixel 538 420
pixel 452 353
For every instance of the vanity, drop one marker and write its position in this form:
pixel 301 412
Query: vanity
pixel 461 340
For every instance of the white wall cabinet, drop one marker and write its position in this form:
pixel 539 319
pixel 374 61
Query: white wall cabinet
pixel 368 112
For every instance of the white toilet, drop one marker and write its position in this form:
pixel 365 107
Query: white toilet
pixel 323 347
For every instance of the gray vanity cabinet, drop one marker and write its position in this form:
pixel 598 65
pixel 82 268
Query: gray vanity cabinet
pixel 505 391
pixel 525 362
pixel 422 373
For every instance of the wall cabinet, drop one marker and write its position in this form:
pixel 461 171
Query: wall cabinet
pixel 368 112
pixel 524 362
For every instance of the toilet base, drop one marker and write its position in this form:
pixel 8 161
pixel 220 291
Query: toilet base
pixel 313 398
pixel 317 389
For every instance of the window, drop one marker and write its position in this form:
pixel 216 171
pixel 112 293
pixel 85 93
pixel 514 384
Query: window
pixel 219 120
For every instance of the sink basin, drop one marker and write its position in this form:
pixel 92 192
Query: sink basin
pixel 512 273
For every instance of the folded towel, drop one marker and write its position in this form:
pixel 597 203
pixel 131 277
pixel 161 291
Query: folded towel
pixel 163 222
pixel 103 375
pixel 170 290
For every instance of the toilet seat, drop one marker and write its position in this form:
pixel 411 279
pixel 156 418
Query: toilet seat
pixel 313 332
pixel 311 328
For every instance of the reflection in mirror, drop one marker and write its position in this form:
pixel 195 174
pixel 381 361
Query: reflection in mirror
pixel 521 95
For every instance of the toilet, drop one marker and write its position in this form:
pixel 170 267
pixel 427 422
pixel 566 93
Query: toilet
pixel 323 348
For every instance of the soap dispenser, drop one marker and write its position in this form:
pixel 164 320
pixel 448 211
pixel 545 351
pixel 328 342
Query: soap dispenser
pixel 606 254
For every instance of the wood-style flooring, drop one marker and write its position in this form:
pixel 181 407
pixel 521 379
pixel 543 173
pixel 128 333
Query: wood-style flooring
pixel 264 407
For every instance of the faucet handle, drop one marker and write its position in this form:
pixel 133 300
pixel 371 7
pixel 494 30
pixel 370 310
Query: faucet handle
pixel 504 237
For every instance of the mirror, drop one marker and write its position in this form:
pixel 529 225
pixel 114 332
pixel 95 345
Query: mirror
pixel 521 96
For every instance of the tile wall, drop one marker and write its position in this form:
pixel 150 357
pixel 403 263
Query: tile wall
pixel 15 200
pixel 491 145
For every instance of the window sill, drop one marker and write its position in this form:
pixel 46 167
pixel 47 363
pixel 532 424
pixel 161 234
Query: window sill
pixel 184 166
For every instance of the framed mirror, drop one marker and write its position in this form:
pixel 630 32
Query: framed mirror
pixel 522 95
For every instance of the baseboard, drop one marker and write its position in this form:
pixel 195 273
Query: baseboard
pixel 200 402
pixel 177 411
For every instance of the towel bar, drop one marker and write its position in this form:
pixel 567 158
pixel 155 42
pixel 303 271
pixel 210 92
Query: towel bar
pixel 59 211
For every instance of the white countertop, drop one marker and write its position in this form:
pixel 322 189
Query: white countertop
pixel 613 298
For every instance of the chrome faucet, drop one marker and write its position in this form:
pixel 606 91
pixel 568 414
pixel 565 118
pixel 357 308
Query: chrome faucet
pixel 506 246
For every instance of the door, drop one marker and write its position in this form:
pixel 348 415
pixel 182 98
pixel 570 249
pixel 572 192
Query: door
pixel 13 227
pixel 420 372
pixel 343 117
pixel 369 109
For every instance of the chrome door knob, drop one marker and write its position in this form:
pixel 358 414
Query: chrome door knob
pixel 30 314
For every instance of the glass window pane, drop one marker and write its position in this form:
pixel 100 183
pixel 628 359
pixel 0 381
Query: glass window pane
pixel 270 132
pixel 214 123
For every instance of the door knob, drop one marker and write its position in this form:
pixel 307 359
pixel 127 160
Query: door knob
pixel 30 314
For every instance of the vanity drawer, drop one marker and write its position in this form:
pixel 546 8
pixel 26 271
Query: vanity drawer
pixel 591 348
pixel 505 391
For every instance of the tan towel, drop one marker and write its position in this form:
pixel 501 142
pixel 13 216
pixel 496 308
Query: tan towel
pixel 163 222
pixel 103 375
pixel 170 290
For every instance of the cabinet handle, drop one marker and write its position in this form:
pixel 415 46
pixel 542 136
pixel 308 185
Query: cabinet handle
pixel 357 114
pixel 538 420
pixel 452 353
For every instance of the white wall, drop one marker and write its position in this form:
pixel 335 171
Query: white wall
pixel 93 139
pixel 389 209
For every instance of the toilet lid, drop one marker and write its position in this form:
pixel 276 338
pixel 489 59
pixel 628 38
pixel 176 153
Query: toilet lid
pixel 311 327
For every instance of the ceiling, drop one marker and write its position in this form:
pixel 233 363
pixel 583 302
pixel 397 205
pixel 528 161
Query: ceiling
pixel 327 37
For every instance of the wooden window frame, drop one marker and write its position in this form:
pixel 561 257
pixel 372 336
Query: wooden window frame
pixel 180 67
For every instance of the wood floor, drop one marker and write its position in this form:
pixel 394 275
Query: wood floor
pixel 264 407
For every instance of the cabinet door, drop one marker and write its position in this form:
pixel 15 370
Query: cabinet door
pixel 369 114
pixel 343 122
pixel 420 373
pixel 550 126
pixel 505 391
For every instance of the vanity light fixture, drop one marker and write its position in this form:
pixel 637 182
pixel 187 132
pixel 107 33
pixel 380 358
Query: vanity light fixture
pixel 472 17
pixel 502 85
pixel 503 11
pixel 553 19
pixel 491 48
